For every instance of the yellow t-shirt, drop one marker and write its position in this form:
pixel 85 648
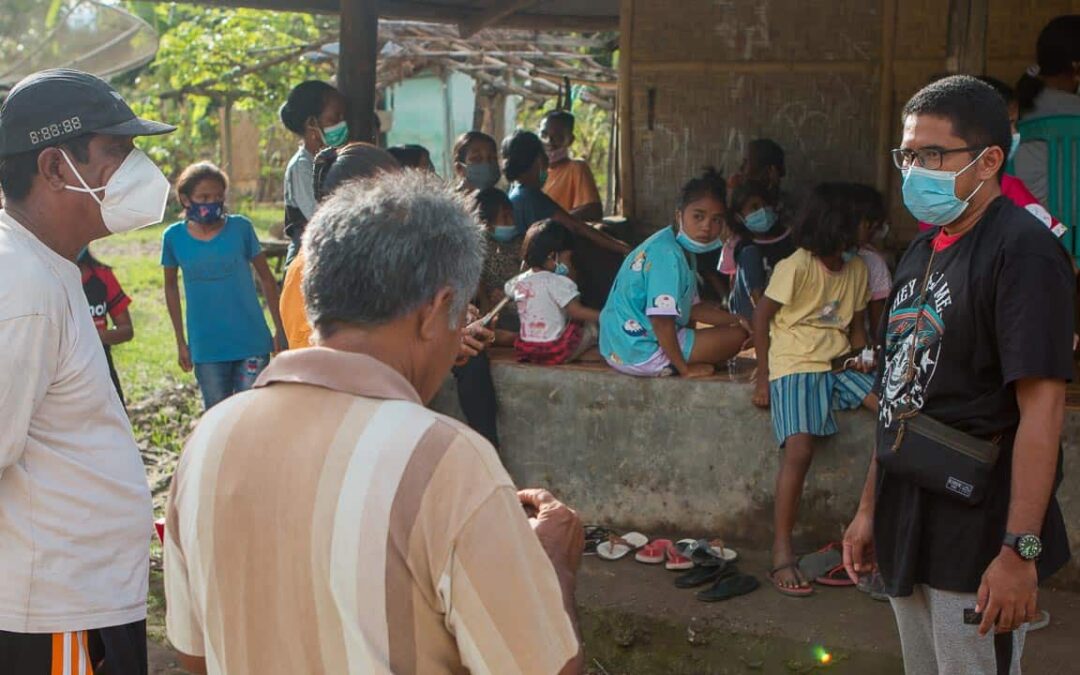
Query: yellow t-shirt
pixel 571 185
pixel 811 328
pixel 293 316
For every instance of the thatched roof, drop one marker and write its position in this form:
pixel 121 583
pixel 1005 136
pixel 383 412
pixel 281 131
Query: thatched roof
pixel 469 15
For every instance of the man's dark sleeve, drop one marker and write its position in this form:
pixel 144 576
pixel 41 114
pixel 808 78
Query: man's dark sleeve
pixel 1034 312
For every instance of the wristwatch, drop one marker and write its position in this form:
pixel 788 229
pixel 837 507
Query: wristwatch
pixel 1027 546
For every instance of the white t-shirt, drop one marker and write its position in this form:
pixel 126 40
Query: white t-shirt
pixel 75 510
pixel 541 299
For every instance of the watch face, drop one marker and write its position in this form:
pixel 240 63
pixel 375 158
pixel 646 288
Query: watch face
pixel 1029 547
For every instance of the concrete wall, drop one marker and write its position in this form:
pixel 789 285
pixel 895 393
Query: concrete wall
pixel 666 455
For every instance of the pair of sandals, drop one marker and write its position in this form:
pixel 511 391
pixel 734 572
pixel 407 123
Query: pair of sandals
pixel 714 563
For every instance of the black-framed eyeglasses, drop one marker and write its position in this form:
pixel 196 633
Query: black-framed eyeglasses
pixel 927 158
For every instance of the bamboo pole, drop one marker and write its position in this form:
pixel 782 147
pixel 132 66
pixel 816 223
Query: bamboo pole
pixel 887 95
pixel 625 104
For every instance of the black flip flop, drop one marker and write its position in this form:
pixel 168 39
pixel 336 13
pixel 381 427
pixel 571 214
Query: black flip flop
pixel 703 575
pixel 728 587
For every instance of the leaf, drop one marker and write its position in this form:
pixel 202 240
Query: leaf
pixel 53 14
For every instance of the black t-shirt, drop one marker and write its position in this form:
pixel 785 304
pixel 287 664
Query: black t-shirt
pixel 999 308
pixel 754 262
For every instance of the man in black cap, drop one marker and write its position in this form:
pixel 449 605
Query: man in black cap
pixel 75 510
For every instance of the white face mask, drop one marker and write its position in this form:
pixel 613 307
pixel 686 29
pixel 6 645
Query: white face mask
pixel 135 195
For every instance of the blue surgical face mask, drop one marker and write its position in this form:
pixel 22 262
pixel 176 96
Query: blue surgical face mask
pixel 82 253
pixel 696 246
pixel 207 213
pixel 503 233
pixel 760 221
pixel 849 255
pixel 930 196
pixel 337 135
pixel 482 176
pixel 561 269
pixel 1014 146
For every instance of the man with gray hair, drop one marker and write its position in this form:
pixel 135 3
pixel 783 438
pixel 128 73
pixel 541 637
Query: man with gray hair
pixel 326 521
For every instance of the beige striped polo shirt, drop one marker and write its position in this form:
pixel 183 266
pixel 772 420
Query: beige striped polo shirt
pixel 327 522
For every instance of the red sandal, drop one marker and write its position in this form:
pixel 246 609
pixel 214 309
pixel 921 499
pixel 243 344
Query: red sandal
pixel 653 553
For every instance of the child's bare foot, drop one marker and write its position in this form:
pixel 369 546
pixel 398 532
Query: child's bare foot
pixel 786 576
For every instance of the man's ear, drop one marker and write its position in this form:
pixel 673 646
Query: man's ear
pixel 53 169
pixel 434 316
pixel 991 162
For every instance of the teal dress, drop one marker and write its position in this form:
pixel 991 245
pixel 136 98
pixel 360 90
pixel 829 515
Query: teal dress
pixel 657 279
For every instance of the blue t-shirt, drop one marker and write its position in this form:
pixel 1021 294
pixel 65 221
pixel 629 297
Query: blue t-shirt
pixel 656 279
pixel 224 319
pixel 530 205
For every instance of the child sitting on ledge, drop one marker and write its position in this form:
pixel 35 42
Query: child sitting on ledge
pixel 555 327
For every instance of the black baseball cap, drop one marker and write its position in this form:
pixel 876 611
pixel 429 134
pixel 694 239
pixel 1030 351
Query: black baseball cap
pixel 53 106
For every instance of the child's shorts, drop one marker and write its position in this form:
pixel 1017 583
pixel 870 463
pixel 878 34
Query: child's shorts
pixel 575 340
pixel 803 403
pixel 658 365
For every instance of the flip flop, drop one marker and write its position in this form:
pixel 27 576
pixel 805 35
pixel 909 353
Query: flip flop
pixel 818 563
pixel 729 587
pixel 797 592
pixel 707 553
pixel 836 577
pixel 676 560
pixel 653 553
pixel 594 534
pixel 703 575
pixel 617 547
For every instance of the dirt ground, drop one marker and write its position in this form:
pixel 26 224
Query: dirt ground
pixel 636 622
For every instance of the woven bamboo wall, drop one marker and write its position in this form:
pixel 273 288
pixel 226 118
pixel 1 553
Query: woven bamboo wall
pixel 707 76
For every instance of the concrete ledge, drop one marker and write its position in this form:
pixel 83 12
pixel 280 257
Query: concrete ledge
pixel 694 457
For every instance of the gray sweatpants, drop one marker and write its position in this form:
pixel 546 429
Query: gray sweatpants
pixel 936 641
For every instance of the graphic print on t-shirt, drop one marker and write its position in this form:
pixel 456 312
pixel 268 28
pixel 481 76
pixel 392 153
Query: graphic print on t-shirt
pixel 911 325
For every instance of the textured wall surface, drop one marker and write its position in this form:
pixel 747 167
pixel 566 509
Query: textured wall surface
pixel 667 455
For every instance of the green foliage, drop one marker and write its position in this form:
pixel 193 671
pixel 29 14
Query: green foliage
pixel 210 55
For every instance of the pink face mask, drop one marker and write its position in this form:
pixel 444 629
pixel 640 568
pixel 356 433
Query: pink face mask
pixel 727 257
pixel 558 155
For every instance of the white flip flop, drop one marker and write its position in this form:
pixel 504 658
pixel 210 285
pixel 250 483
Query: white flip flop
pixel 617 547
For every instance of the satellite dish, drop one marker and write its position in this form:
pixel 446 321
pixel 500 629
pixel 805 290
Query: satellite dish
pixel 84 34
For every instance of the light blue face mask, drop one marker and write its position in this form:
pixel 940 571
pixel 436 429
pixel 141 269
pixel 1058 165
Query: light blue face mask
pixel 930 196
pixel 503 233
pixel 849 255
pixel 561 269
pixel 696 246
pixel 760 221
pixel 1014 146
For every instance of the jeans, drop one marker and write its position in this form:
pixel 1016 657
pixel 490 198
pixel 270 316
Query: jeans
pixel 476 393
pixel 219 381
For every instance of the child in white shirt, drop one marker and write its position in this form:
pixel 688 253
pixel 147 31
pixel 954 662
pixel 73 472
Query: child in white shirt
pixel 555 327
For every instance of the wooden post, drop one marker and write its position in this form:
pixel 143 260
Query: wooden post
pixel 966 51
pixel 356 65
pixel 625 109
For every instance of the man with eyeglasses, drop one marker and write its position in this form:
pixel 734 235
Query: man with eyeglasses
pixel 958 510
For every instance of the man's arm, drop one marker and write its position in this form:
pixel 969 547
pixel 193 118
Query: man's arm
pixel 27 367
pixel 516 607
pixel 1009 588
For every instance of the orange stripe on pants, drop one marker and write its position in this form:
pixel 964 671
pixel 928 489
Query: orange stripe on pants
pixel 58 654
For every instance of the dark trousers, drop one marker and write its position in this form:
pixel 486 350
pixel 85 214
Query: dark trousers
pixel 476 393
pixel 118 650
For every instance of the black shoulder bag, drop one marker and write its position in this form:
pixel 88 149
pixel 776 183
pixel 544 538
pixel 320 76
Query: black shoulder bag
pixel 932 454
